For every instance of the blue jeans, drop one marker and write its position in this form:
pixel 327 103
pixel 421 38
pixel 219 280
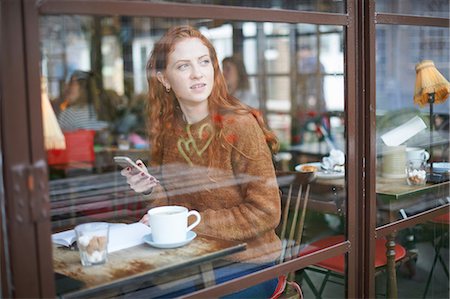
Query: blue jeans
pixel 262 290
pixel 223 274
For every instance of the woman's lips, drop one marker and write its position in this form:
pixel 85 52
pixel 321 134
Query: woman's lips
pixel 198 86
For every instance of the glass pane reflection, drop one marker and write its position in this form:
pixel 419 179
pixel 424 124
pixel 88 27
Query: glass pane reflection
pixel 300 95
pixel 399 50
pixel 436 8
pixel 337 6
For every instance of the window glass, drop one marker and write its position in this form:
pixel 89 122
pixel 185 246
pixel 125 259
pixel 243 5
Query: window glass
pixel 413 147
pixel 337 6
pixel 435 8
pixel 276 54
pixel 95 84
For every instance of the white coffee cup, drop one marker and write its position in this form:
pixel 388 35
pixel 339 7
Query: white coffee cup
pixel 416 154
pixel 169 224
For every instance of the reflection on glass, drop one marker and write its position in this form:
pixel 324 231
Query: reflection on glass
pixel 300 95
pixel 277 56
pixel 238 81
pixel 337 6
pixel 436 8
pixel 278 98
pixel 406 182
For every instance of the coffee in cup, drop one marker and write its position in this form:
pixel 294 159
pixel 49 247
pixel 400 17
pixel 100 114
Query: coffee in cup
pixel 169 224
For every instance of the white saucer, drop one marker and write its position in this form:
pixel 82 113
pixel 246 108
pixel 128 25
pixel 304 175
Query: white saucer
pixel 321 173
pixel 190 235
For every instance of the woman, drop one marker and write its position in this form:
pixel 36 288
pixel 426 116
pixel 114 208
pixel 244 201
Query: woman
pixel 77 111
pixel 237 81
pixel 213 154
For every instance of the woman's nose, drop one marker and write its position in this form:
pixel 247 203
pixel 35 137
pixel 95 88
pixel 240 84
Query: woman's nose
pixel 196 72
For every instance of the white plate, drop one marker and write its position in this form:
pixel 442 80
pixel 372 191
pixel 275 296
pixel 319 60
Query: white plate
pixel 322 173
pixel 190 235
pixel 441 166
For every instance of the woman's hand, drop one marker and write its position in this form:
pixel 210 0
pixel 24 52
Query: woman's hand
pixel 139 181
pixel 144 219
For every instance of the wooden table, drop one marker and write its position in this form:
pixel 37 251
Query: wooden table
pixel 395 196
pixel 137 265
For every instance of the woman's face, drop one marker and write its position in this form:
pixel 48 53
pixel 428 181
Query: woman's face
pixel 189 71
pixel 230 73
pixel 73 91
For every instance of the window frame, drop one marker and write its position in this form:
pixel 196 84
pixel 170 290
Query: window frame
pixel 26 14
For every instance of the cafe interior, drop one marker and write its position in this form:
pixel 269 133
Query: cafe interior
pixel 356 92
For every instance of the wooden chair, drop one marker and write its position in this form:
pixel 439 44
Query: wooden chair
pixel 294 188
pixel 443 221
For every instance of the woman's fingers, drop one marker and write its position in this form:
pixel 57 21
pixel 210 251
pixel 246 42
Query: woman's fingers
pixel 126 172
pixel 142 182
pixel 144 219
pixel 144 186
pixel 139 181
pixel 141 165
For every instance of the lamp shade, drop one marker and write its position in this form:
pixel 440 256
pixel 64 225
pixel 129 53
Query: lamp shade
pixel 53 136
pixel 430 80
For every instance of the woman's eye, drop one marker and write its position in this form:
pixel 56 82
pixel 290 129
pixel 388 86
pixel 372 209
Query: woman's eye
pixel 205 61
pixel 182 67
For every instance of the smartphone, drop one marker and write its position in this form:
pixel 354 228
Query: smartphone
pixel 127 162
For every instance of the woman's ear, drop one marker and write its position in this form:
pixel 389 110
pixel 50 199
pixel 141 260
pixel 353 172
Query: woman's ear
pixel 162 79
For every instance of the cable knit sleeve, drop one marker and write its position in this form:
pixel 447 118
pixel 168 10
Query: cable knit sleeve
pixel 157 198
pixel 258 212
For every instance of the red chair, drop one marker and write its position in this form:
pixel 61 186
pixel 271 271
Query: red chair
pixel 335 266
pixel 444 221
pixel 79 152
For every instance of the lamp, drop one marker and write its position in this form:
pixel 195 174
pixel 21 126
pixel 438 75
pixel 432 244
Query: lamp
pixel 431 87
pixel 53 136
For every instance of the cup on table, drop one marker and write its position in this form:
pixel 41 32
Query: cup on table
pixel 393 162
pixel 417 154
pixel 169 224
pixel 416 172
pixel 92 241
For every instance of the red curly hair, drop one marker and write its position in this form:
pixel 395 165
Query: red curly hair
pixel 162 104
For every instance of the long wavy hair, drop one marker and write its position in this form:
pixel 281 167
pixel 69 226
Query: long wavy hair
pixel 236 60
pixel 162 105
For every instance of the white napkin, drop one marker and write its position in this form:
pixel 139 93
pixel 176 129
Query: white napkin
pixel 335 161
pixel 402 133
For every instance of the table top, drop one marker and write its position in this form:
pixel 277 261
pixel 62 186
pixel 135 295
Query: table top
pixel 392 195
pixel 391 188
pixel 139 263
pixel 398 188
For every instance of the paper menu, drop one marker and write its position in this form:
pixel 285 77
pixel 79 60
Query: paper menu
pixel 65 238
pixel 127 236
pixel 403 132
pixel 121 236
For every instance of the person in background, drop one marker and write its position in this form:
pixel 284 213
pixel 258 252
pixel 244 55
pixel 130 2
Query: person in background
pixel 219 150
pixel 237 81
pixel 77 111
pixel 311 83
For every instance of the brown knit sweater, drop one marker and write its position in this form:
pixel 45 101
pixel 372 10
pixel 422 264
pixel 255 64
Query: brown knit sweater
pixel 239 200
